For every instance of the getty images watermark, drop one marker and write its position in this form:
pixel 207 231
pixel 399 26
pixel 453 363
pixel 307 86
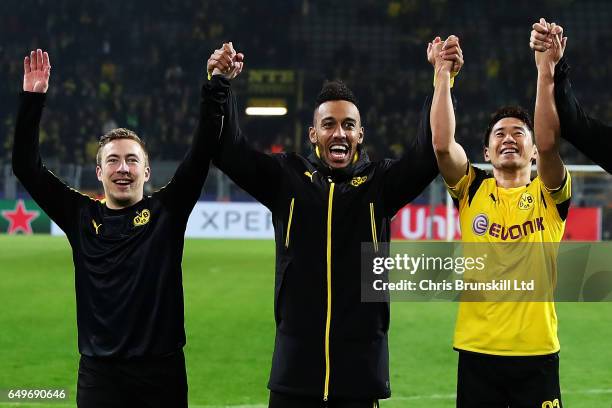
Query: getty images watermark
pixel 458 265
pixel 504 272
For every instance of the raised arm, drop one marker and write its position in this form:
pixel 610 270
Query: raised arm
pixel 589 135
pixel 58 200
pixel 257 173
pixel 184 190
pixel 546 120
pixel 407 177
pixel 451 158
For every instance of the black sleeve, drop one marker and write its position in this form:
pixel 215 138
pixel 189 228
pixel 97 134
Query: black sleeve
pixel 183 191
pixel 60 202
pixel 407 177
pixel 589 135
pixel 258 173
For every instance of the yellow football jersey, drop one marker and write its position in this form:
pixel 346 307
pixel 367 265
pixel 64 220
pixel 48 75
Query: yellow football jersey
pixel 491 214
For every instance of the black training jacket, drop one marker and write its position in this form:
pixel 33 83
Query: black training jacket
pixel 127 262
pixel 589 135
pixel 328 343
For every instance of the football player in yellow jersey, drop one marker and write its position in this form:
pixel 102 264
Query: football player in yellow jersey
pixel 508 351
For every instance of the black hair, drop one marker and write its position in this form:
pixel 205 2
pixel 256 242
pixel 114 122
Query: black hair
pixel 517 112
pixel 335 91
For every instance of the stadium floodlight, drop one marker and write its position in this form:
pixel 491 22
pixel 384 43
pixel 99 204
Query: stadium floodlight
pixel 266 111
pixel 266 107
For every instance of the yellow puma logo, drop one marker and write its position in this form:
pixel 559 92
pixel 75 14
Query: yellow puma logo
pixel 96 226
pixel 142 218
pixel 309 174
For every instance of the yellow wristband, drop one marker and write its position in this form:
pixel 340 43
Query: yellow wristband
pixel 209 76
pixel 452 78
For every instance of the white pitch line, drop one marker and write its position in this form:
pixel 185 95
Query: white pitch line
pixel 420 397
pixel 453 396
pixel 229 406
pixel 596 391
pixel 40 404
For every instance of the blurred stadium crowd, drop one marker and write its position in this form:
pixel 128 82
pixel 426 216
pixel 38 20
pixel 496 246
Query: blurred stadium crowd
pixel 138 64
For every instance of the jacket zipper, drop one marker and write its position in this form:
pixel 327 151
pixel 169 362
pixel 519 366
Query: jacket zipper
pixel 289 222
pixel 328 320
pixel 222 124
pixel 373 224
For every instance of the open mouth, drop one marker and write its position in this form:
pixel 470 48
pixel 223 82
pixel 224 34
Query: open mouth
pixel 508 151
pixel 123 183
pixel 339 152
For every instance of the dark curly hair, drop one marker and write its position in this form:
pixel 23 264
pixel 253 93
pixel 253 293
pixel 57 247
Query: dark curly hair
pixel 517 112
pixel 335 91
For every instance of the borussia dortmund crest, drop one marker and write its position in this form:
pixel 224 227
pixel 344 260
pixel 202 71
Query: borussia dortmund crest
pixel 526 202
pixel 357 181
pixel 142 218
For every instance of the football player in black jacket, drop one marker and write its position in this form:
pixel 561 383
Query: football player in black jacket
pixel 331 348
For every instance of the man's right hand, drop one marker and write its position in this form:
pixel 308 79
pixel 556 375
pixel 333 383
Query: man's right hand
pixel 36 72
pixel 542 35
pixel 445 56
pixel 225 61
pixel 548 44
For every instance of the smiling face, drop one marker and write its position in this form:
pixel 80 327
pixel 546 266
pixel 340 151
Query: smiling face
pixel 123 169
pixel 336 132
pixel 510 145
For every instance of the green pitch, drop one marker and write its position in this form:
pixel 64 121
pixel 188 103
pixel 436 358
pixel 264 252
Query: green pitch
pixel 230 330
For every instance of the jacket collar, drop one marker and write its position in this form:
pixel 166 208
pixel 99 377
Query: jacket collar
pixel 345 173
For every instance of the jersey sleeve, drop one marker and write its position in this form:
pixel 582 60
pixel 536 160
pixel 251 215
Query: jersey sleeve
pixel 407 177
pixel 562 193
pixel 460 190
pixel 59 201
pixel 589 135
pixel 561 196
pixel 259 174
pixel 183 191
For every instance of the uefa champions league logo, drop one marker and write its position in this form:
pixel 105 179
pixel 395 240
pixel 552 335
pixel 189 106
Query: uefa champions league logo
pixel 480 224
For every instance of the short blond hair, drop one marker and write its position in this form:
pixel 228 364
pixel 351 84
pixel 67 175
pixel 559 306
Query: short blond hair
pixel 120 133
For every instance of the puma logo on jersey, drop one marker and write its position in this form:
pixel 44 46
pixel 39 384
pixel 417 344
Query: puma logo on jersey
pixel 142 218
pixel 309 174
pixel 96 226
